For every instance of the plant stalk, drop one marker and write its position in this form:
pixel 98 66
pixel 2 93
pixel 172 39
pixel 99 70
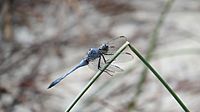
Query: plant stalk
pixel 160 79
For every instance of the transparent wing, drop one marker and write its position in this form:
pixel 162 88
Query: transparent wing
pixel 114 68
pixel 115 44
pixel 122 58
pixel 111 68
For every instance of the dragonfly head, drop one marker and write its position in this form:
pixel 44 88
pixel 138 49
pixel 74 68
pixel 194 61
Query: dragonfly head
pixel 104 48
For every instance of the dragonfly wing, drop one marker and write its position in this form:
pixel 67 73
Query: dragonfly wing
pixel 114 68
pixel 122 58
pixel 111 68
pixel 115 44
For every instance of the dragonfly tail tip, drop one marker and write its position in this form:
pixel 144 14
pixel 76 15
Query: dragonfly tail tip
pixel 54 83
pixel 50 86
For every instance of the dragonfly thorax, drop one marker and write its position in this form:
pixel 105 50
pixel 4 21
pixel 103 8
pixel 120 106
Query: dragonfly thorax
pixel 93 54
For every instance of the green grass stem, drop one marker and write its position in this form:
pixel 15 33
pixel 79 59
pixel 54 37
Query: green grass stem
pixel 150 50
pixel 160 79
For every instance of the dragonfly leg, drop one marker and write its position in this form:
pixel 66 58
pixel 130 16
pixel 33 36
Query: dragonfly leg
pixel 108 54
pixel 99 63
pixel 104 59
pixel 99 66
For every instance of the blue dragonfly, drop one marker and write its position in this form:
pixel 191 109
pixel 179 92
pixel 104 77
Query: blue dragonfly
pixel 97 57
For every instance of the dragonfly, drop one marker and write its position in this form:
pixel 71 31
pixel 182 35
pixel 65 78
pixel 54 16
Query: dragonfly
pixel 96 58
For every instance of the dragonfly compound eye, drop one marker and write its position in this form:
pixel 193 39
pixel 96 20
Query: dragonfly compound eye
pixel 104 48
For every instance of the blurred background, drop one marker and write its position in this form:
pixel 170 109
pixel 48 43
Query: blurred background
pixel 41 40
